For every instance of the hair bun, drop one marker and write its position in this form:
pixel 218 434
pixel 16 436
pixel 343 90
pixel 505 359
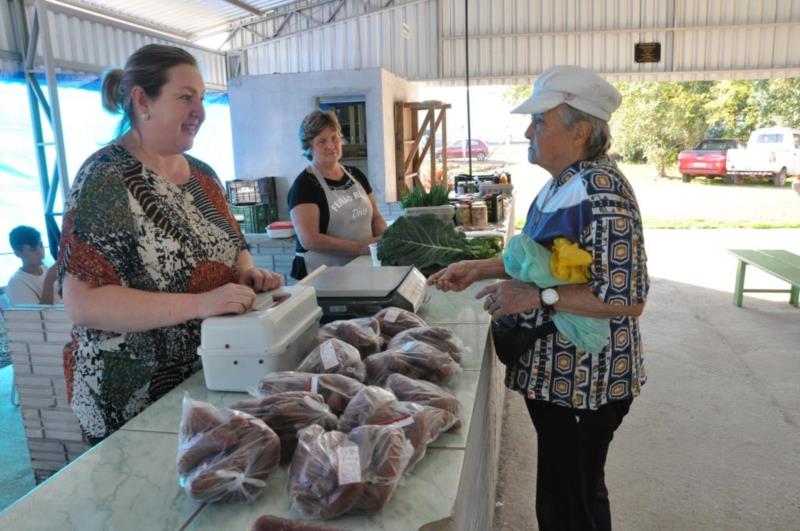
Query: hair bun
pixel 111 96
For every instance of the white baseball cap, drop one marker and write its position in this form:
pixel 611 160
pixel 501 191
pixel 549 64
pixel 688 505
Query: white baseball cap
pixel 575 86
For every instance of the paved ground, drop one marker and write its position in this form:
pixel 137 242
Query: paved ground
pixel 714 440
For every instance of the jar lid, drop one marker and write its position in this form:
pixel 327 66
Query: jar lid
pixel 478 204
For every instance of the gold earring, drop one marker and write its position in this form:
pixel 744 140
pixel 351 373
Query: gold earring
pixel 145 116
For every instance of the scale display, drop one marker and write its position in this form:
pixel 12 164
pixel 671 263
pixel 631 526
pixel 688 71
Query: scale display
pixel 362 291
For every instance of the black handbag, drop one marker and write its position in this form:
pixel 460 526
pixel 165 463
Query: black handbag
pixel 512 341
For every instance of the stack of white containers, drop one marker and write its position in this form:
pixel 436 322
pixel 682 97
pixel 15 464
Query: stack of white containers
pixel 37 335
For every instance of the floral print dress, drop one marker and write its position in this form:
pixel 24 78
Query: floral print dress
pixel 124 225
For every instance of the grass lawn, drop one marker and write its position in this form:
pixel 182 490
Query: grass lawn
pixel 670 203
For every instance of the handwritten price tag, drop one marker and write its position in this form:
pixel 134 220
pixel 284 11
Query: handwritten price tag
pixel 349 464
pixel 328 356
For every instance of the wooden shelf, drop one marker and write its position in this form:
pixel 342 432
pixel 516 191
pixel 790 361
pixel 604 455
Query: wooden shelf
pixel 410 151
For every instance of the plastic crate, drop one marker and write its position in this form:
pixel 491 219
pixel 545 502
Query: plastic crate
pixel 252 191
pixel 254 218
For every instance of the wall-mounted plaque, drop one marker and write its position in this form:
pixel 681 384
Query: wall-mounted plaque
pixel 647 52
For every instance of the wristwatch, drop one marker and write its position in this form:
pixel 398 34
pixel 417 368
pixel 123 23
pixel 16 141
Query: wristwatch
pixel 548 298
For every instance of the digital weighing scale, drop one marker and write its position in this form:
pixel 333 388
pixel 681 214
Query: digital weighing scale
pixel 362 291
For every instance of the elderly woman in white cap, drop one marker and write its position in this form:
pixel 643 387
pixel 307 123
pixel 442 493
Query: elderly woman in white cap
pixel 575 399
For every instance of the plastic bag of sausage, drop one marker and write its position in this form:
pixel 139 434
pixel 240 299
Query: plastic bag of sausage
pixel 287 413
pixel 421 424
pixel 436 336
pixel 415 359
pixel 333 473
pixel 224 455
pixel 425 393
pixel 363 333
pixel 393 320
pixel 336 389
pixel 334 356
pixel 268 522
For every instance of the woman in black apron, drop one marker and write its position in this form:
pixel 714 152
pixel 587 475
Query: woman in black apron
pixel 332 206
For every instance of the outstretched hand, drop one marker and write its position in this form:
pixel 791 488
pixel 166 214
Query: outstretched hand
pixel 260 279
pixel 455 277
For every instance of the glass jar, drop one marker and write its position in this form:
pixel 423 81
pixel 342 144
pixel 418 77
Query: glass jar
pixel 462 214
pixel 480 214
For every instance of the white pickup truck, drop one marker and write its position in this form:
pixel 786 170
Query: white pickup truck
pixel 771 152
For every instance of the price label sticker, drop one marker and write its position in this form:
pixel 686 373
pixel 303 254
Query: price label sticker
pixel 328 356
pixel 349 464
pixel 392 314
pixel 402 422
pixel 313 384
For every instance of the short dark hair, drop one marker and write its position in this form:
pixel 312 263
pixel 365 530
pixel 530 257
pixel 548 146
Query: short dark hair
pixel 24 235
pixel 147 68
pixel 313 124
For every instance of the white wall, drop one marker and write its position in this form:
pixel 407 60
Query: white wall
pixel 266 112
pixel 394 89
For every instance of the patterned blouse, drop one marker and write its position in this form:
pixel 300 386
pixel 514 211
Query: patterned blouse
pixel 593 204
pixel 126 226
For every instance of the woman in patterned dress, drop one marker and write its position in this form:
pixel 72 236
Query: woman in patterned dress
pixel 149 247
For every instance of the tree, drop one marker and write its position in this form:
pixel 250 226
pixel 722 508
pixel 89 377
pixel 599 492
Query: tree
pixel 515 94
pixel 659 119
pixel 730 110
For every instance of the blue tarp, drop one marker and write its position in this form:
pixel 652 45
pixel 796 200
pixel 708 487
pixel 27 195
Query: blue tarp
pixel 87 127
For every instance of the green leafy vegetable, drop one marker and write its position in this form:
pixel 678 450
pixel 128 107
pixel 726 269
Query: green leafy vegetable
pixel 486 247
pixel 419 197
pixel 428 242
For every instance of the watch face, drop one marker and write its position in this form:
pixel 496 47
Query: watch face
pixel 549 296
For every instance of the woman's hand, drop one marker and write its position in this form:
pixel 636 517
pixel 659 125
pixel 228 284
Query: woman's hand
pixel 509 297
pixel 364 244
pixel 260 279
pixel 455 277
pixel 227 299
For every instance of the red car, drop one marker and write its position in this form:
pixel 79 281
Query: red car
pixel 707 159
pixel 459 150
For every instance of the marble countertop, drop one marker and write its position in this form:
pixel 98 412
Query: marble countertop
pixel 130 480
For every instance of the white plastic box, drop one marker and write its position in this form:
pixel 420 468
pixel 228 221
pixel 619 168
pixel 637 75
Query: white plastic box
pixel 237 350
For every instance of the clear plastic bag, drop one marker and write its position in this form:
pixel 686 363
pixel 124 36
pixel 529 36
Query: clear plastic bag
pixel 224 455
pixel 363 333
pixel 268 522
pixel 415 359
pixel 436 336
pixel 421 424
pixel 334 473
pixel 362 405
pixel 425 393
pixel 393 320
pixel 287 413
pixel 334 356
pixel 336 389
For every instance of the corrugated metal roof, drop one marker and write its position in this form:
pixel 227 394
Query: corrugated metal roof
pixel 184 18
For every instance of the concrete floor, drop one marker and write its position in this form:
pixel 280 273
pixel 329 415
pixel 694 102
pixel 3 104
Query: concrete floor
pixel 713 442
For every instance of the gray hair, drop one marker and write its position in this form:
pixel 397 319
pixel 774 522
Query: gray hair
pixel 599 140
pixel 314 124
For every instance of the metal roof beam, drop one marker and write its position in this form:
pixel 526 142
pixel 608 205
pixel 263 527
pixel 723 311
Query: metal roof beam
pixel 102 13
pixel 245 6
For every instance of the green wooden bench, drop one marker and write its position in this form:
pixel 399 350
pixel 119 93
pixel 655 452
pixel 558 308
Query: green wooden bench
pixel 779 263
